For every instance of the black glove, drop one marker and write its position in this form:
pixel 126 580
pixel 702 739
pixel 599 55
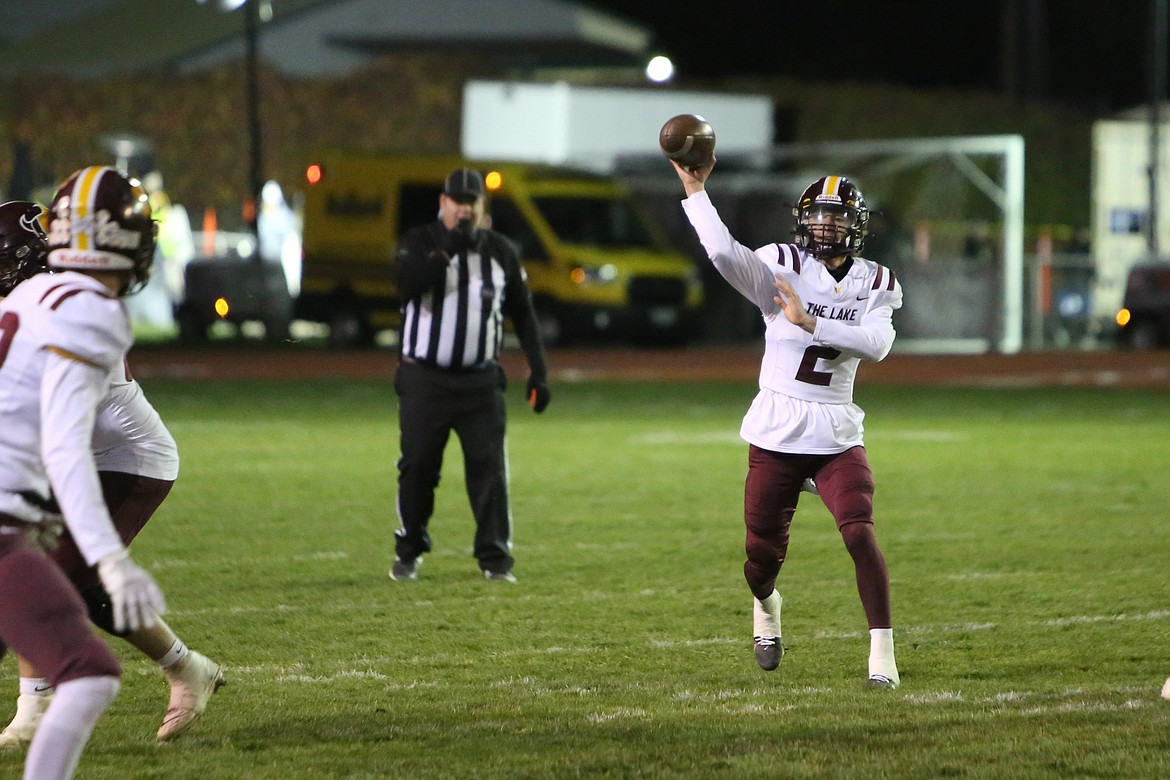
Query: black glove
pixel 437 258
pixel 538 394
pixel 461 238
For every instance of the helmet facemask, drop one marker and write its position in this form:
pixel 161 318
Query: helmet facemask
pixel 830 230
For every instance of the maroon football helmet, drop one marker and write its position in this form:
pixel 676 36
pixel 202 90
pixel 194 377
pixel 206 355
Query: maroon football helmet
pixel 23 251
pixel 831 218
pixel 100 220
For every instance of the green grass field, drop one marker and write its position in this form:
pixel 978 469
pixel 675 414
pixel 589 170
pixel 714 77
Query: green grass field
pixel 1027 534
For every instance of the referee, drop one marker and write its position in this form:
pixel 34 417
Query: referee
pixel 458 281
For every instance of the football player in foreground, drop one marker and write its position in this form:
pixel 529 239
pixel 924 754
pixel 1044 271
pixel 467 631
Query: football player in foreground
pixel 825 310
pixel 60 337
pixel 137 462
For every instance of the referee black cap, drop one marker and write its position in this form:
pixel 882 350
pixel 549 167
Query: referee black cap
pixel 464 183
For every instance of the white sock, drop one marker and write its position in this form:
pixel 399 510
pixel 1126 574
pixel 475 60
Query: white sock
pixel 881 654
pixel 56 747
pixel 35 686
pixel 176 655
pixel 766 616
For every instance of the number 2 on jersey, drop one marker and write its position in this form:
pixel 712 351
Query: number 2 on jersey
pixel 808 366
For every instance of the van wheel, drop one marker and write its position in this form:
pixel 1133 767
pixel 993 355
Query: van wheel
pixel 192 329
pixel 551 328
pixel 551 324
pixel 348 328
pixel 1143 336
pixel 276 329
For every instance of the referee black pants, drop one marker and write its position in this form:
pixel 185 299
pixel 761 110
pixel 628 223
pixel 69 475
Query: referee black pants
pixel 432 402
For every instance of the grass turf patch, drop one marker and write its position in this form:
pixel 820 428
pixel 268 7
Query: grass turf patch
pixel 1025 532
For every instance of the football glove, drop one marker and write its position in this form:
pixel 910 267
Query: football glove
pixel 134 595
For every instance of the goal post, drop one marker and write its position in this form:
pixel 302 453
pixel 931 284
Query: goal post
pixel 929 197
pixel 1006 194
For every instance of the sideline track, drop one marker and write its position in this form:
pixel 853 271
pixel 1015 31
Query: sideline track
pixel 706 363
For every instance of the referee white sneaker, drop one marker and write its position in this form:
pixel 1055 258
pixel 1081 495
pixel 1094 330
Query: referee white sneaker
pixel 192 683
pixel 30 708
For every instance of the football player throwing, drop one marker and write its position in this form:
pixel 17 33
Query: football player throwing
pixel 825 309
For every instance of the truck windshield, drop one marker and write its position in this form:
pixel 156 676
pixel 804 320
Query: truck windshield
pixel 595 221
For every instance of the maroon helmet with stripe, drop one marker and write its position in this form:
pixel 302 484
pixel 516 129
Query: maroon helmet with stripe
pixel 100 220
pixel 832 219
pixel 23 251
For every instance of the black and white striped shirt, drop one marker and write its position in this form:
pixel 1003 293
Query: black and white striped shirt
pixel 453 305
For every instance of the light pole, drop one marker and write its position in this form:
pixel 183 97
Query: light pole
pixel 1157 97
pixel 252 100
pixel 251 60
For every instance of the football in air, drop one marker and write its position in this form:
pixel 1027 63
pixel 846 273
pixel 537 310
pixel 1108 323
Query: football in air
pixel 688 139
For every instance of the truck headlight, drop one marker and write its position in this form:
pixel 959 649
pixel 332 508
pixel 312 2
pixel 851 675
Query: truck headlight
pixel 594 274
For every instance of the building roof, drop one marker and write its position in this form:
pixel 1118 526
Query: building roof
pixel 98 38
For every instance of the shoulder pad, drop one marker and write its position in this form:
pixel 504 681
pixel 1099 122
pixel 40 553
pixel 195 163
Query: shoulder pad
pixel 87 322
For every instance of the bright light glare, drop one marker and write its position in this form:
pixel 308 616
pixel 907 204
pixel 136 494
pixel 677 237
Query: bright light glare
pixel 660 69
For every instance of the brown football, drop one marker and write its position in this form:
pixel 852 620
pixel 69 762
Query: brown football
pixel 688 139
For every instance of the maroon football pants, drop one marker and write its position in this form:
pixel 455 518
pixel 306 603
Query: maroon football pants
pixel 132 500
pixel 845 483
pixel 43 618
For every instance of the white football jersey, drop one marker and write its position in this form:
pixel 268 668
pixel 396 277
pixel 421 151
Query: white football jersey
pixel 61 336
pixel 805 403
pixel 128 434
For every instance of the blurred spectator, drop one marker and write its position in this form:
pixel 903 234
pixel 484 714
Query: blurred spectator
pixel 154 304
pixel 280 238
pixel 978 246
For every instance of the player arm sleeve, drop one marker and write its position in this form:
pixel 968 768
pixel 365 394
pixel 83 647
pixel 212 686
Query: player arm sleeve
pixel 70 391
pixel 743 269
pixel 872 338
pixel 417 266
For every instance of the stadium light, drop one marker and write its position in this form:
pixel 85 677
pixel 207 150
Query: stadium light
pixel 660 69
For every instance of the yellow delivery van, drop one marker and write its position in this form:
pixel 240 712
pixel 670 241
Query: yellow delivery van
pixel 597 265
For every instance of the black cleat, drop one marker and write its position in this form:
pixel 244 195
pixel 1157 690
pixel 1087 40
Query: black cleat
pixel 769 651
pixel 881 681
